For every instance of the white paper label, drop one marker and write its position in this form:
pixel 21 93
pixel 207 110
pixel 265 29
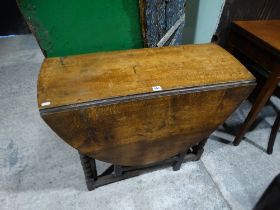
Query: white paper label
pixel 157 88
pixel 47 103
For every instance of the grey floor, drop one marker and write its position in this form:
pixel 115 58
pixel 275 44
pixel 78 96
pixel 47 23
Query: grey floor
pixel 39 171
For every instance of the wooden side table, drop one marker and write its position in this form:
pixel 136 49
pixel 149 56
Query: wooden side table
pixel 260 42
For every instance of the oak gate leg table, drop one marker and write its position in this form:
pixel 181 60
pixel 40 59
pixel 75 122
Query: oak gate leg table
pixel 260 42
pixel 140 109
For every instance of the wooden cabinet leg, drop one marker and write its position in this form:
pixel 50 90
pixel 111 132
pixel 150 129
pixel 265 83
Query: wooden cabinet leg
pixel 273 134
pixel 263 97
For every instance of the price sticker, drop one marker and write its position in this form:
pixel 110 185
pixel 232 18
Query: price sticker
pixel 156 88
pixel 47 103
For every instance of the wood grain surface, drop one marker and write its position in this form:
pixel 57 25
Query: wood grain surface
pixel 267 31
pixel 145 131
pixel 104 106
pixel 244 10
pixel 91 77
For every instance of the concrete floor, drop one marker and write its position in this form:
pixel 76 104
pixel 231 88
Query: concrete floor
pixel 39 171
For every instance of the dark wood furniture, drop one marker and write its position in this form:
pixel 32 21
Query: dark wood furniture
pixel 137 108
pixel 260 42
pixel 234 10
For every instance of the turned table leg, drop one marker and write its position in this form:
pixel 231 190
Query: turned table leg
pixel 263 97
pixel 179 162
pixel 199 149
pixel 118 170
pixel 89 168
